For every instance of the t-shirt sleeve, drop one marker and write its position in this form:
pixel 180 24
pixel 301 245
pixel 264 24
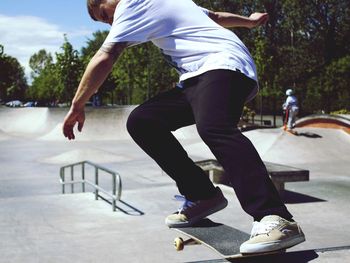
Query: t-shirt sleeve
pixel 133 24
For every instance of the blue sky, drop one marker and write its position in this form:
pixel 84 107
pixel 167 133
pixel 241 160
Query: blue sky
pixel 26 26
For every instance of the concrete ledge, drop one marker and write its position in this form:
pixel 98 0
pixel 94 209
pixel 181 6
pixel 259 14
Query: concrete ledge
pixel 280 174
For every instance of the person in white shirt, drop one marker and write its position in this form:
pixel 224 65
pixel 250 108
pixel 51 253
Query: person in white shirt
pixel 291 108
pixel 217 76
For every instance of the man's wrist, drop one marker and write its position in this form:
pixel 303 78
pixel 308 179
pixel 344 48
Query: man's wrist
pixel 76 106
pixel 250 23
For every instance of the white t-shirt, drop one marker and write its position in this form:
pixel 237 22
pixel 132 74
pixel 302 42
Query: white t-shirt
pixel 291 103
pixel 189 40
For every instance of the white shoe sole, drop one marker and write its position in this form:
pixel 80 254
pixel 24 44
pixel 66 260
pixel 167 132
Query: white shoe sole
pixel 271 246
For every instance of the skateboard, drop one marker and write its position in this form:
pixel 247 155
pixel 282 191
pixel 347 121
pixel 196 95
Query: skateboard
pixel 223 239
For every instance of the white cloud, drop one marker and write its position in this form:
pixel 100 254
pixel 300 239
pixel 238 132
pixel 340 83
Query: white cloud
pixel 22 36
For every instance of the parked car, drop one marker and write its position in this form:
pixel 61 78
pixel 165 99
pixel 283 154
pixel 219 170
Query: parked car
pixel 30 104
pixel 14 103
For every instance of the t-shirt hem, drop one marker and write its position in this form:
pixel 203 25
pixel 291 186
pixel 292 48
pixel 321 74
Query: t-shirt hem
pixel 251 96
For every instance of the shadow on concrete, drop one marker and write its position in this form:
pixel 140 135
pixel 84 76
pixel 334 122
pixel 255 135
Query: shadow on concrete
pixel 302 256
pixel 288 257
pixel 308 135
pixel 290 197
pixel 126 208
pixel 129 209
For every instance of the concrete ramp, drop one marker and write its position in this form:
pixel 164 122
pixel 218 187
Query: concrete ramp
pixel 311 145
pixel 109 124
pixel 324 150
pixel 100 124
pixel 24 121
pixel 80 155
pixel 3 136
pixel 263 140
pixel 187 133
pixel 321 150
pixel 46 123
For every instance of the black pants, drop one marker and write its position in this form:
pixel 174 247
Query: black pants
pixel 214 102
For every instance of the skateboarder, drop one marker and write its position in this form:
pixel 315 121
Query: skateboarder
pixel 217 76
pixel 290 106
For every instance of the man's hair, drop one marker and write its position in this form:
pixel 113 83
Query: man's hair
pixel 91 4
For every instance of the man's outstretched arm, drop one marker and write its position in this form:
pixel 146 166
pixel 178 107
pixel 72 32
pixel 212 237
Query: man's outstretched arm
pixel 95 74
pixel 226 19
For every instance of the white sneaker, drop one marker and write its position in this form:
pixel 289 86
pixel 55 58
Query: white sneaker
pixel 272 233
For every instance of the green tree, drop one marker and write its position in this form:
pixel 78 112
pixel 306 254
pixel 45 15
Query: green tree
pixel 142 72
pixel 329 91
pixel 12 79
pixel 321 31
pixel 45 86
pixel 39 61
pixel 68 68
pixel 93 45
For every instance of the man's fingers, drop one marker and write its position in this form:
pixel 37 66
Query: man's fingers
pixel 258 19
pixel 81 120
pixel 70 121
pixel 266 18
pixel 263 19
pixel 80 125
pixel 68 132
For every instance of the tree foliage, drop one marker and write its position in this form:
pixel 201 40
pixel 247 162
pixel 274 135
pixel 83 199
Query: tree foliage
pixel 303 46
pixel 12 80
pixel 39 61
pixel 68 68
pixel 141 72
pixel 45 86
pixel 55 81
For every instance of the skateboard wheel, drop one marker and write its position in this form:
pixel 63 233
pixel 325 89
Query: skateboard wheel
pixel 179 243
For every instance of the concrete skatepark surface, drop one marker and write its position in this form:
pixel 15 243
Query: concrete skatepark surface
pixel 39 224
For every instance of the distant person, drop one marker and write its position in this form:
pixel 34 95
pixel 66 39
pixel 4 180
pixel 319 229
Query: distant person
pixel 291 109
pixel 217 76
pixel 96 101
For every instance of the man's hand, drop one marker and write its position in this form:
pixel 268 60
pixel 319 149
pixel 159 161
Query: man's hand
pixel 257 19
pixel 73 116
pixel 95 74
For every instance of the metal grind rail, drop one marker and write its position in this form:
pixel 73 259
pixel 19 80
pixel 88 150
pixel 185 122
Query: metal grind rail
pixel 116 181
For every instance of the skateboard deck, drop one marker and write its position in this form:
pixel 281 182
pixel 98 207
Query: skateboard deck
pixel 221 238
